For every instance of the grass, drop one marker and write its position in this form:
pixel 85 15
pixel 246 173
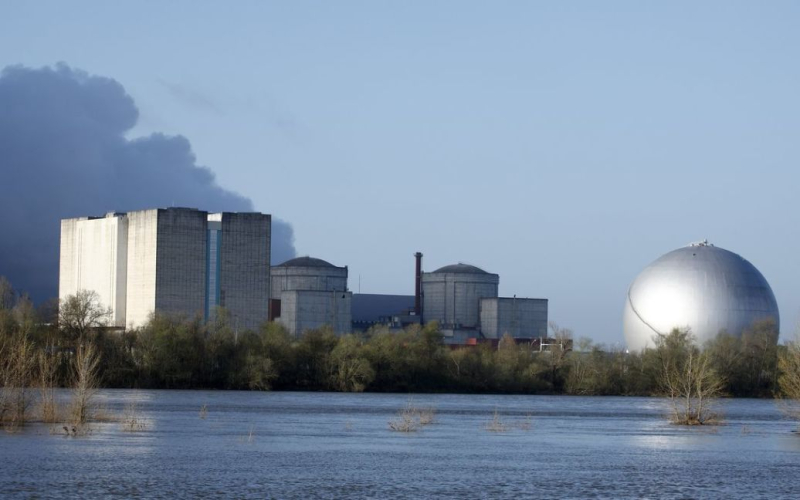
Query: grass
pixel 250 437
pixel 132 420
pixel 411 418
pixel 496 424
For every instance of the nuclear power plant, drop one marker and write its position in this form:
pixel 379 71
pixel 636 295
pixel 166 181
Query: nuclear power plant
pixel 700 287
pixel 189 262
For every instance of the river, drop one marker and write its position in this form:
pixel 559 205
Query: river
pixel 332 445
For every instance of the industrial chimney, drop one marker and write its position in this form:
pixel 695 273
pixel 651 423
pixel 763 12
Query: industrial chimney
pixel 418 287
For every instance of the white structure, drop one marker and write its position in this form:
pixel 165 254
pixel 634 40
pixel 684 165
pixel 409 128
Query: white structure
pixel 94 257
pixel 174 261
pixel 700 287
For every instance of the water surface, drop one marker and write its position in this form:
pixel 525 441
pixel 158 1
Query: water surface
pixel 330 445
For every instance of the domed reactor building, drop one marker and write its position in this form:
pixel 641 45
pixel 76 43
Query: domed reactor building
pixel 701 287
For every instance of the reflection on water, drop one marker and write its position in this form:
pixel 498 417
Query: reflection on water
pixel 300 445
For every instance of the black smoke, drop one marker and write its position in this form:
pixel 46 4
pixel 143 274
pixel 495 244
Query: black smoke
pixel 63 153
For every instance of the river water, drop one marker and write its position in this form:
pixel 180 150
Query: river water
pixel 330 445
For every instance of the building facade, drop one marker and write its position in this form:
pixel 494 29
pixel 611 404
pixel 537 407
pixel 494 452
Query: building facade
pixel 94 257
pixel 309 293
pixel 176 261
pixel 520 318
pixel 451 295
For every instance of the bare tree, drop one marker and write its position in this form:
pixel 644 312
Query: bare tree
pixel 48 362
pixel 789 379
pixel 688 379
pixel 558 347
pixel 86 380
pixel 16 371
pixel 80 313
pixel 7 294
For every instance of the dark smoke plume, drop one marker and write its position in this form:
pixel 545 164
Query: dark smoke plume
pixel 63 154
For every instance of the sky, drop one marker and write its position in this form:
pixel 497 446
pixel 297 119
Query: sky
pixel 561 145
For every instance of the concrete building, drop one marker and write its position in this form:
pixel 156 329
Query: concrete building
pixel 451 295
pixel 307 273
pixel 175 261
pixel 310 293
pixel 520 318
pixel 303 310
pixel 94 257
pixel 464 299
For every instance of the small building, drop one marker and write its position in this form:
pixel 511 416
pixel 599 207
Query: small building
pixel 520 318
pixel 309 293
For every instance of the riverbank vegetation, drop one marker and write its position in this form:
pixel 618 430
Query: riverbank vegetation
pixel 38 353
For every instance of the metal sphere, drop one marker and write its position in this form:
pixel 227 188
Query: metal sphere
pixel 701 287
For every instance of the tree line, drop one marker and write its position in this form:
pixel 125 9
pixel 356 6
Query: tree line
pixel 173 352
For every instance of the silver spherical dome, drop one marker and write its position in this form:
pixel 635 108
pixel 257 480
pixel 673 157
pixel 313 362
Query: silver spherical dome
pixel 701 287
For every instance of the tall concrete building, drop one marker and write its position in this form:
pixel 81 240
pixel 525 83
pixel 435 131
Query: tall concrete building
pixel 174 261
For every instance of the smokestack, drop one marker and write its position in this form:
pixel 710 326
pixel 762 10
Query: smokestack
pixel 418 288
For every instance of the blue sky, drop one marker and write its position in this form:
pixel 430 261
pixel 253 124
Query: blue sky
pixel 562 145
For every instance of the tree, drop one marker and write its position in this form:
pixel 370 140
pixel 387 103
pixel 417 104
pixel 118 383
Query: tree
pixel 789 379
pixel 7 294
pixel 687 378
pixel 16 374
pixel 789 365
pixel 556 356
pixel 349 370
pixel 86 380
pixel 80 313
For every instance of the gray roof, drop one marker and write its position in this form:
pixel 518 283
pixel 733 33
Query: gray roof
pixel 305 262
pixel 461 268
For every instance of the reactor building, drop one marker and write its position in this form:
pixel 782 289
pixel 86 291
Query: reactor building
pixel 701 287
pixel 174 261
pixel 308 293
pixel 464 300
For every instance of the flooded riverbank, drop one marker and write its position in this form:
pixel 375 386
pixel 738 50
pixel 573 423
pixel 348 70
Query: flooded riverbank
pixel 332 445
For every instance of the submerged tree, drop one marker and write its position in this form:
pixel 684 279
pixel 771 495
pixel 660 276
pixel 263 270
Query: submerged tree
pixel 687 378
pixel 86 381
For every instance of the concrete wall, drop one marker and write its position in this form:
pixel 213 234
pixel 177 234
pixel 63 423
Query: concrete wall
pixel 159 260
pixel 307 278
pixel 93 257
pixel 453 299
pixel 181 261
pixel 303 310
pixel 244 268
pixel 521 318
pixel 142 243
